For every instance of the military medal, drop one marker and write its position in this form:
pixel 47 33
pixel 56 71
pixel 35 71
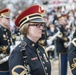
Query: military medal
pixel 4 36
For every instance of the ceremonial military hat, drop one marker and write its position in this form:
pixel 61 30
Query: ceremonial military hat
pixel 44 15
pixel 31 14
pixel 5 13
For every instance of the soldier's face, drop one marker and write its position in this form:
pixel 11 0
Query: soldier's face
pixel 63 21
pixel 35 30
pixel 6 22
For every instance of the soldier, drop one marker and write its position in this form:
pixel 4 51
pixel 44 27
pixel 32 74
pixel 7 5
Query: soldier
pixel 5 41
pixel 72 52
pixel 60 44
pixel 31 57
pixel 51 32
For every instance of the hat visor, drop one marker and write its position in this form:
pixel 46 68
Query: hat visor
pixel 37 20
pixel 6 16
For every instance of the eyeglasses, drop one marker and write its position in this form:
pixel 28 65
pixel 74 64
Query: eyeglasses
pixel 38 25
pixel 7 18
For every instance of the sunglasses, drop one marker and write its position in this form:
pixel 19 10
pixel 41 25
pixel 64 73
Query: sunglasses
pixel 38 25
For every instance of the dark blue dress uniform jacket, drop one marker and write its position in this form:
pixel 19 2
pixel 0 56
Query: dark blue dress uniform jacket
pixel 36 59
pixel 61 39
pixel 5 41
pixel 72 55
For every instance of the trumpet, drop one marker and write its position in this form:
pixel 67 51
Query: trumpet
pixel 50 48
pixel 49 41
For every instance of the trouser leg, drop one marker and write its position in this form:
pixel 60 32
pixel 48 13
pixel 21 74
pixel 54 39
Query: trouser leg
pixel 62 64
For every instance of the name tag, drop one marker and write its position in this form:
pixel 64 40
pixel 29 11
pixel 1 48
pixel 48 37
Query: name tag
pixel 35 58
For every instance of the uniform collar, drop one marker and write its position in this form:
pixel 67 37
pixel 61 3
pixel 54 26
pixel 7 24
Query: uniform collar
pixel 28 41
pixel 4 29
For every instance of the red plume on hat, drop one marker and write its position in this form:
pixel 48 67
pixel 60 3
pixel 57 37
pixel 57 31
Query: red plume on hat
pixel 5 13
pixel 31 14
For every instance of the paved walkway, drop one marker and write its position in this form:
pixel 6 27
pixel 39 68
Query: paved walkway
pixel 54 65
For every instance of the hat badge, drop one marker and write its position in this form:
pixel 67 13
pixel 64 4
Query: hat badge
pixel 39 10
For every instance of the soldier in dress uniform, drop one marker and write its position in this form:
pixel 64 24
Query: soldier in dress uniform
pixel 60 44
pixel 5 41
pixel 30 55
pixel 51 32
pixel 72 53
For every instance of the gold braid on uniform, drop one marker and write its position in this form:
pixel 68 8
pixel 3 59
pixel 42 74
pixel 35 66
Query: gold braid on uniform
pixel 60 35
pixel 74 64
pixel 4 49
pixel 24 72
pixel 74 42
pixel 45 50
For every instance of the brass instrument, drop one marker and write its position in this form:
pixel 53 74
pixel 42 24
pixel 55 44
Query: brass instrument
pixel 50 39
pixel 50 48
pixel 3 58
